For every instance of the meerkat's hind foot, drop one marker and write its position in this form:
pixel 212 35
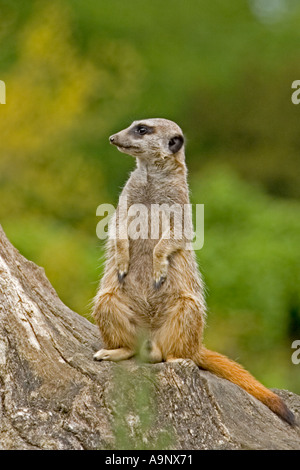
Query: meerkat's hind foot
pixel 115 355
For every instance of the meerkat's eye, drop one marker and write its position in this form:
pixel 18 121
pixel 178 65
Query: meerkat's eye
pixel 141 130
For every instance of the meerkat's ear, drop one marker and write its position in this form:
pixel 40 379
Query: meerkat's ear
pixel 175 143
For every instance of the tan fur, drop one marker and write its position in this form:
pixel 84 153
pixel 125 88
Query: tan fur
pixel 154 284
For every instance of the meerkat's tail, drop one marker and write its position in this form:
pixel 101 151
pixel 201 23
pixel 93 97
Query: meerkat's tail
pixel 223 367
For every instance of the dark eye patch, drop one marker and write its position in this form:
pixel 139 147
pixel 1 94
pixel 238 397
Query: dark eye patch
pixel 141 129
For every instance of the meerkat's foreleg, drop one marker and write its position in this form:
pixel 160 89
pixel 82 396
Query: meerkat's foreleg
pixel 121 242
pixel 166 246
pixel 122 257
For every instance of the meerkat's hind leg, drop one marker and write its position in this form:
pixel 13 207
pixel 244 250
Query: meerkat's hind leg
pixel 115 355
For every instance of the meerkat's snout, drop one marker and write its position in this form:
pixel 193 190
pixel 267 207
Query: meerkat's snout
pixel 118 142
pixel 115 140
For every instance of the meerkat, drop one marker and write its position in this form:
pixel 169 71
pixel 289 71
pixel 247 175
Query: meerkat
pixel 154 284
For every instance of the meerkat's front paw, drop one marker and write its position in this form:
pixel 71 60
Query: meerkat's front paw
pixel 122 258
pixel 122 270
pixel 160 271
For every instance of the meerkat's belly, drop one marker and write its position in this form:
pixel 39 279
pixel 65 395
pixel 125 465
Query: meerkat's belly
pixel 140 273
pixel 139 286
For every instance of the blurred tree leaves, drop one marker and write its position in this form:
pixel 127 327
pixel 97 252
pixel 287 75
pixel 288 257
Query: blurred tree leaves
pixel 59 97
pixel 52 92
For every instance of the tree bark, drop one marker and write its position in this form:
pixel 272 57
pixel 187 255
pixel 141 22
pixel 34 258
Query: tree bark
pixel 54 396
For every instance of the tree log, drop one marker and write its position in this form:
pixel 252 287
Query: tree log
pixel 54 396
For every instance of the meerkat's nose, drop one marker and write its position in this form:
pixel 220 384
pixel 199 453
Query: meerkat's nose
pixel 112 139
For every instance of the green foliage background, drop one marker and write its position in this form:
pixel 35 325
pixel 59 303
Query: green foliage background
pixel 77 72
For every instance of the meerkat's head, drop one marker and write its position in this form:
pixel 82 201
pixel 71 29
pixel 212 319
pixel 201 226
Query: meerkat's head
pixel 150 139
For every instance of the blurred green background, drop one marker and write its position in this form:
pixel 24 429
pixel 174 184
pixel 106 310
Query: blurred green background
pixel 77 72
